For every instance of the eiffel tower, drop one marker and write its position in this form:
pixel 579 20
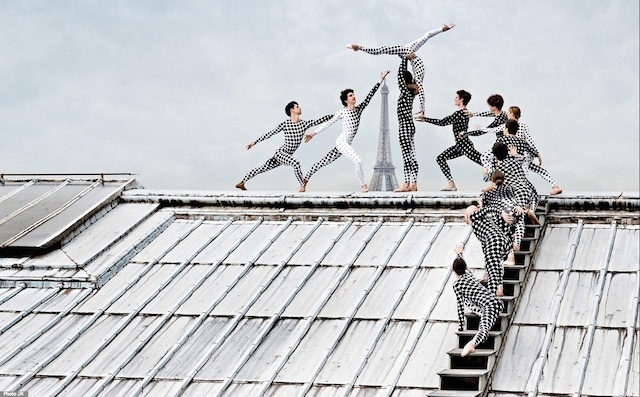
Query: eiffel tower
pixel 384 172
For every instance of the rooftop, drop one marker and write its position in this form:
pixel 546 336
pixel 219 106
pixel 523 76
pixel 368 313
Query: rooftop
pixel 107 288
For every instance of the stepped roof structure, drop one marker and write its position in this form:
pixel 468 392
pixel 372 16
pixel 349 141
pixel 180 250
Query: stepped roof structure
pixel 110 289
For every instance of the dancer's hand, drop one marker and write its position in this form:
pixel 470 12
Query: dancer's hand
pixel 383 75
pixel 309 136
pixel 540 160
pixel 468 113
pixel 419 114
pixel 513 151
pixel 459 248
pixel 507 217
pixel 467 213
pixel 410 56
pixel 252 144
pixel 448 26
pixel 419 117
pixel 516 247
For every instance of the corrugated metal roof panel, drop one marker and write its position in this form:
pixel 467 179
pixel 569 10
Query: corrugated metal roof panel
pixel 269 297
pixel 40 213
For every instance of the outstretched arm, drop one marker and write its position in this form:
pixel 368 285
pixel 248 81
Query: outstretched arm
pixel 323 127
pixel 366 101
pixel 266 136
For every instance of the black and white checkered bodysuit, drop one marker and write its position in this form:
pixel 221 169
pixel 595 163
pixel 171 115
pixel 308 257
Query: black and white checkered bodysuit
pixel 416 63
pixel 471 293
pixel 503 198
pixel 495 243
pixel 526 194
pixel 523 133
pixel 498 121
pixel 407 128
pixel 350 122
pixel 462 147
pixel 293 134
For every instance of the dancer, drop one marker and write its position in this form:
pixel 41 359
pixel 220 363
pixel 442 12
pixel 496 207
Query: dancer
pixel 471 293
pixel 407 129
pixel 510 162
pixel 350 117
pixel 495 243
pixel 402 50
pixel 293 129
pixel 495 102
pixel 502 197
pixel 463 145
pixel 514 113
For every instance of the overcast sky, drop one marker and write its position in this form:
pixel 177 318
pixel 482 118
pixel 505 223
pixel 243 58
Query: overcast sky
pixel 173 91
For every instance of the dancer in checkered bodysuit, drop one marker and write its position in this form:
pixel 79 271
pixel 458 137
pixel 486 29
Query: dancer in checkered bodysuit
pixel 495 102
pixel 402 50
pixel 463 145
pixel 510 162
pixel 523 133
pixel 350 117
pixel 509 138
pixel 502 197
pixel 471 293
pixel 407 129
pixel 495 243
pixel 293 129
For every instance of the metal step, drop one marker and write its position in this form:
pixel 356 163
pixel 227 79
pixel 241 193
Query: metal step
pixel 493 341
pixel 473 322
pixel 463 379
pixel 480 359
pixel 457 393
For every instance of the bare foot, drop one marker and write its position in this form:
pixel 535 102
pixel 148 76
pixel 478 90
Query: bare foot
pixel 500 291
pixel 511 260
pixel 240 186
pixel 364 189
pixel 413 187
pixel 556 190
pixel 354 47
pixel 468 349
pixel 403 188
pixel 532 216
pixel 451 188
pixel 303 187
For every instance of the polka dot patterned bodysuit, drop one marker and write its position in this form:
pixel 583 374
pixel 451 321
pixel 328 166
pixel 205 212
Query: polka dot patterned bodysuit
pixel 350 119
pixel 416 63
pixel 293 134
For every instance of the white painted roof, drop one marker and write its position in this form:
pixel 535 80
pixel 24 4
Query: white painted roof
pixel 221 293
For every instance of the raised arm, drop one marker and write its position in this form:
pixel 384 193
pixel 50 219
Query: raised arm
pixel 268 135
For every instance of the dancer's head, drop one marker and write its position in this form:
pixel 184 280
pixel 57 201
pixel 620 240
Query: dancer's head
pixel 290 105
pixel 459 266
pixel 344 95
pixel 412 86
pixel 511 126
pixel 500 150
pixel 514 113
pixel 497 177
pixel 496 101
pixel 464 96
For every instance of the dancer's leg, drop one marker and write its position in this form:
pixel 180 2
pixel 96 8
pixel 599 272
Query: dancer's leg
pixel 449 154
pixel 288 159
pixel 347 151
pixel 328 158
pixel 416 44
pixel 543 173
pixel 470 151
pixel 488 318
pixel 269 165
pixel 386 50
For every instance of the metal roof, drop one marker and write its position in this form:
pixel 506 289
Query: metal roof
pixel 219 293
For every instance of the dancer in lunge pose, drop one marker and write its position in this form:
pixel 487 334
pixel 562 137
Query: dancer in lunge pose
pixel 350 117
pixel 471 293
pixel 402 50
pixel 496 244
pixel 293 129
pixel 407 129
pixel 463 145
